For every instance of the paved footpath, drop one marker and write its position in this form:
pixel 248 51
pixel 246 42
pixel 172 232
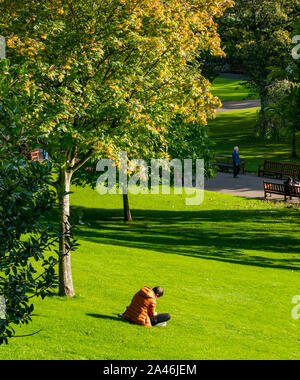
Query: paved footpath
pixel 239 105
pixel 247 185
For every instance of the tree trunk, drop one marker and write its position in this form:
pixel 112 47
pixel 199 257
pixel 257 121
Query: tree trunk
pixel 294 149
pixel 65 272
pixel 262 114
pixel 127 212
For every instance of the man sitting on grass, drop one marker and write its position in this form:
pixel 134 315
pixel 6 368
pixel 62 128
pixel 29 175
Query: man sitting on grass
pixel 141 311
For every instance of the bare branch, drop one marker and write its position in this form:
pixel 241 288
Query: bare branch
pixel 83 161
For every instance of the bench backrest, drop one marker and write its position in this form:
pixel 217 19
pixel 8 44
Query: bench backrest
pixel 227 159
pixel 292 170
pixel 272 165
pixel 281 188
pixel 294 190
pixel 35 156
pixel 276 187
pixel 223 159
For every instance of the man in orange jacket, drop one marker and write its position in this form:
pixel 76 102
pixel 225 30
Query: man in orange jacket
pixel 141 311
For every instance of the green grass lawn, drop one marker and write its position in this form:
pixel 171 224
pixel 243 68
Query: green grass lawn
pixel 230 89
pixel 230 268
pixel 237 128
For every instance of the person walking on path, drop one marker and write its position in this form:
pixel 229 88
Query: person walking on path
pixel 236 162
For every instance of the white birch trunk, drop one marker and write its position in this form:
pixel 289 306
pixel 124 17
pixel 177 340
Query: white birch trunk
pixel 65 272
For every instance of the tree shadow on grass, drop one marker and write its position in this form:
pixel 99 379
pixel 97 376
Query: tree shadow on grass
pixel 247 237
pixel 96 215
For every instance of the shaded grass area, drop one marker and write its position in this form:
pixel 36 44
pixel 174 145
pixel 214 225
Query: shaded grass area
pixel 231 89
pixel 237 128
pixel 230 268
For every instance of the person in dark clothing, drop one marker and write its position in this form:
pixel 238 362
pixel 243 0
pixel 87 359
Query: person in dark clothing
pixel 236 162
pixel 160 319
pixel 290 181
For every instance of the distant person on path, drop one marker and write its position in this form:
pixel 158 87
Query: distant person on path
pixel 45 155
pixel 141 311
pixel 236 162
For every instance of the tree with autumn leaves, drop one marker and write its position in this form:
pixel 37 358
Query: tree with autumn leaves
pixel 102 74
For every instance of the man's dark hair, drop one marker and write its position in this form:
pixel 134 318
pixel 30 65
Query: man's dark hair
pixel 158 290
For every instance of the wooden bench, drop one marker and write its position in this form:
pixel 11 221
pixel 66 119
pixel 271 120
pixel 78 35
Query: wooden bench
pixel 281 189
pixel 279 170
pixel 225 163
pixel 35 156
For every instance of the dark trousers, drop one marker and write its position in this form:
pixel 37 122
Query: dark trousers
pixel 160 318
pixel 236 169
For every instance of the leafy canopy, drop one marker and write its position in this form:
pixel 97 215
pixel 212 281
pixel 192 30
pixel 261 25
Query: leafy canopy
pixel 105 72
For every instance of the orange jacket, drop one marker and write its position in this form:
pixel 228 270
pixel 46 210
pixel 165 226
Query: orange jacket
pixel 142 307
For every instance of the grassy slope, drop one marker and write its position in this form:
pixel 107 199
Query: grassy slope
pixel 229 90
pixel 236 128
pixel 230 268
